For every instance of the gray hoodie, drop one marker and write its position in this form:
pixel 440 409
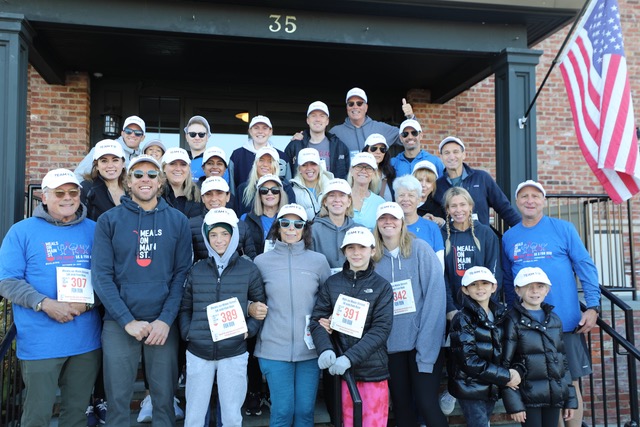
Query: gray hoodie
pixel 423 329
pixel 291 275
pixel 327 239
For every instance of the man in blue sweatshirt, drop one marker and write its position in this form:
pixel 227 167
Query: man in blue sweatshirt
pixel 138 271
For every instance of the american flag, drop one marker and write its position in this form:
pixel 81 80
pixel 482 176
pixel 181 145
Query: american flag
pixel 594 69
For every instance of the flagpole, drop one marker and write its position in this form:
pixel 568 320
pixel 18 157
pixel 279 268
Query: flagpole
pixel 523 120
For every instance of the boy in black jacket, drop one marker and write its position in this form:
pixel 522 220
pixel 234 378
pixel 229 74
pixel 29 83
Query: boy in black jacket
pixel 476 349
pixel 533 346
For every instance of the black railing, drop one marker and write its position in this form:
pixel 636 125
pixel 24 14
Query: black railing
pixel 611 391
pixel 10 381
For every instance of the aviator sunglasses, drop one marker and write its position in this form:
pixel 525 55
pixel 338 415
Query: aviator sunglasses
pixel 352 103
pixel 298 224
pixel 137 133
pixel 73 193
pixel 406 134
pixel 152 174
pixel 374 148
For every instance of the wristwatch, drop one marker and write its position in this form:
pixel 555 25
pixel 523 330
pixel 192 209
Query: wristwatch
pixel 88 306
pixel 39 306
pixel 596 308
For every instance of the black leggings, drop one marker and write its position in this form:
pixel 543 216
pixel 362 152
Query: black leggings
pixel 407 384
pixel 542 417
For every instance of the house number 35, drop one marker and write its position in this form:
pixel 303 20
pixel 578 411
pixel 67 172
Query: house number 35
pixel 289 25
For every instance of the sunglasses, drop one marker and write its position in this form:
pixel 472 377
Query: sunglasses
pixel 137 133
pixel 406 134
pixel 374 148
pixel 73 193
pixel 352 103
pixel 200 134
pixel 152 174
pixel 298 224
pixel 265 190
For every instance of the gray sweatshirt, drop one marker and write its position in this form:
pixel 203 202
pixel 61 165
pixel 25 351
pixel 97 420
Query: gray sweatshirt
pixel 327 239
pixel 423 329
pixel 291 275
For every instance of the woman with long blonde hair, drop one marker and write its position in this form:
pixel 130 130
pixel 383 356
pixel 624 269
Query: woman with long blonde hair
pixel 179 190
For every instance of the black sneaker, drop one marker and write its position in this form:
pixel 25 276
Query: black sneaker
pixel 253 406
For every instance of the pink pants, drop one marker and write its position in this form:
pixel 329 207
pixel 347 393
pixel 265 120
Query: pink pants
pixel 375 404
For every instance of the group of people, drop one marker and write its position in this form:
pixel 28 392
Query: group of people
pixel 330 256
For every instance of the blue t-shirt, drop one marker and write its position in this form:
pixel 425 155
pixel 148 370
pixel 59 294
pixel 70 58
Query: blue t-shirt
pixel 32 250
pixel 429 232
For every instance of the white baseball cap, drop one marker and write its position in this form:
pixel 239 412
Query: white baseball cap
pixel 530 183
pixel 267 178
pixel 451 139
pixel 308 155
pixel 214 183
pixel 135 120
pixel 425 164
pixel 221 215
pixel 107 146
pixel 477 273
pixel 410 123
pixel 391 208
pixel 530 275
pixel 364 158
pixel 154 142
pixel 318 106
pixel 176 153
pixel 376 138
pixel 336 184
pixel 214 152
pixel 293 209
pixel 198 119
pixel 57 177
pixel 268 150
pixel 356 91
pixel 360 236
pixel 143 158
pixel 260 119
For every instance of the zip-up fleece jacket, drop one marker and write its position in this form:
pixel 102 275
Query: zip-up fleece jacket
pixel 291 275
pixel 339 161
pixel 96 197
pixel 485 193
pixel 354 137
pixel 140 262
pixel 423 329
pixel 476 347
pixel 328 237
pixel 240 279
pixel 536 351
pixel 305 197
pixel 368 355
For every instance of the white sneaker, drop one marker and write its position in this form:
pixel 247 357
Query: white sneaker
pixel 178 410
pixel 146 410
pixel 447 403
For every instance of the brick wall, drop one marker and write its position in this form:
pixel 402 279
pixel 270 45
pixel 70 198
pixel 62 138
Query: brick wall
pixel 57 124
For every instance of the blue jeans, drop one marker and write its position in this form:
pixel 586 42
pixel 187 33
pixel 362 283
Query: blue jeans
pixel 477 412
pixel 291 406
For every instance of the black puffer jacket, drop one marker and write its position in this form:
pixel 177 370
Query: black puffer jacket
pixel 476 347
pixel 245 242
pixel 240 279
pixel 255 231
pixel 368 355
pixel 536 351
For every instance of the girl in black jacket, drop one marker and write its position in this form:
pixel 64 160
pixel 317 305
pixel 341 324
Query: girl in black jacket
pixel 364 349
pixel 476 347
pixel 230 280
pixel 533 346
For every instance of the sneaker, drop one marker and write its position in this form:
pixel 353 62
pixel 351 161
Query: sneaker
pixel 253 406
pixel 92 420
pixel 178 410
pixel 447 403
pixel 146 410
pixel 101 410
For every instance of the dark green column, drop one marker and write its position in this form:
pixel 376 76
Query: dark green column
pixel 515 84
pixel 15 37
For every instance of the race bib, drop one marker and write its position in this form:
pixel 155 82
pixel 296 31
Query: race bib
pixel 226 319
pixel 349 315
pixel 403 301
pixel 74 284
